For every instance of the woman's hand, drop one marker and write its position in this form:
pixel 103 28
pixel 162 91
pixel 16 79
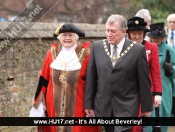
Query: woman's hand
pixel 157 100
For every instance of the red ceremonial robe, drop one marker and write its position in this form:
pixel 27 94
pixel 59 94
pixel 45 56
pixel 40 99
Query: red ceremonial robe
pixel 154 73
pixel 45 89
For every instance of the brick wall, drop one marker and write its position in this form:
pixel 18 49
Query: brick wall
pixel 20 65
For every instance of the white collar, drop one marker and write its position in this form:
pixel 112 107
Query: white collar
pixel 170 31
pixel 66 60
pixel 69 49
pixel 119 46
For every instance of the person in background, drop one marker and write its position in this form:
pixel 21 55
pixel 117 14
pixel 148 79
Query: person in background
pixel 62 80
pixel 117 76
pixel 171 30
pixel 158 36
pixel 145 14
pixel 136 32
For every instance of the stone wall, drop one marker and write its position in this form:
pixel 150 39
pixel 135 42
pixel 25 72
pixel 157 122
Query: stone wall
pixel 20 64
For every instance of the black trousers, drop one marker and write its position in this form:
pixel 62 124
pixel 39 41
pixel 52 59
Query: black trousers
pixel 111 129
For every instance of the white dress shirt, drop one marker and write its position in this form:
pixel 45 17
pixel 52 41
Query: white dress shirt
pixel 169 37
pixel 119 48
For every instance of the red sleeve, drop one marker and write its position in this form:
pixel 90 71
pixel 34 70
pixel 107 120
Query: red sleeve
pixel 54 45
pixel 84 68
pixel 79 107
pixel 87 44
pixel 155 71
pixel 44 76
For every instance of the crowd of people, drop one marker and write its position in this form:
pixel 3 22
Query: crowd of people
pixel 128 74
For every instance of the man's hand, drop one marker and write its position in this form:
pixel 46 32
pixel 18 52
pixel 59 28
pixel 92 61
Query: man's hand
pixel 147 114
pixel 89 113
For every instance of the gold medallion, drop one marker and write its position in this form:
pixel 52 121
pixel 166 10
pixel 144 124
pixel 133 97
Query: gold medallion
pixel 114 58
pixel 62 78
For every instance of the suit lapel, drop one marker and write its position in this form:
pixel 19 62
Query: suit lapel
pixel 107 57
pixel 125 46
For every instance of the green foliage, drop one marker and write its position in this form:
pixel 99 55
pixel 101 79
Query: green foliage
pixel 159 9
pixel 159 16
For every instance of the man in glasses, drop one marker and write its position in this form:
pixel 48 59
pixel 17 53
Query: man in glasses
pixel 171 30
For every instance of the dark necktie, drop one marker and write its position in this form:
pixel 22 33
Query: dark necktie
pixel 172 39
pixel 114 54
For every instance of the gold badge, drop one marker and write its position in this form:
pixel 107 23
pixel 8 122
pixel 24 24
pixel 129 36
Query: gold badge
pixel 62 78
pixel 136 22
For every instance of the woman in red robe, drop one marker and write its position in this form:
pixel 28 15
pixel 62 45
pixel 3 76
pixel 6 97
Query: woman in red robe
pixel 62 80
pixel 136 32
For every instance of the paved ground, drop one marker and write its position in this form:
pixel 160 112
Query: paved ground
pixel 172 129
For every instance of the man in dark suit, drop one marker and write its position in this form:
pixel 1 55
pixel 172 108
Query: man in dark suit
pixel 117 76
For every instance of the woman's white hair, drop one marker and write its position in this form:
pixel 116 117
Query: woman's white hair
pixel 144 13
pixel 59 36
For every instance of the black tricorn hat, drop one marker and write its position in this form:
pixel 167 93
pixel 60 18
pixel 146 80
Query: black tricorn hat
pixel 157 30
pixel 69 27
pixel 136 23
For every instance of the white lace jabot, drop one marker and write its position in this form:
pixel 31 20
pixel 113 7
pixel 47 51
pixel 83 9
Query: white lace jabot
pixel 66 60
